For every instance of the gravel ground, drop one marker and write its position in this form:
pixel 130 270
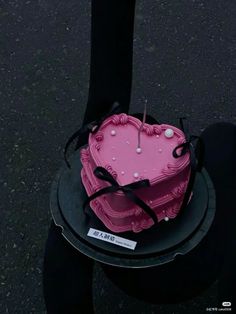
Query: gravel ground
pixel 184 63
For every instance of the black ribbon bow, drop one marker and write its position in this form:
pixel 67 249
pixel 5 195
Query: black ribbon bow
pixel 92 127
pixel 103 174
pixel 196 161
pixel 188 146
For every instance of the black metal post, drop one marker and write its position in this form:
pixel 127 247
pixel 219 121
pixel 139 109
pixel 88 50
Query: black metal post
pixel 111 56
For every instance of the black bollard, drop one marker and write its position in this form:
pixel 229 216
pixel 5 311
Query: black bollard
pixel 111 56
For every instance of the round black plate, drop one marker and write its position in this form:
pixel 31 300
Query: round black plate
pixel 156 245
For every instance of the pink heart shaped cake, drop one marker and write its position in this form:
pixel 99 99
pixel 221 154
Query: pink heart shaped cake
pixel 114 147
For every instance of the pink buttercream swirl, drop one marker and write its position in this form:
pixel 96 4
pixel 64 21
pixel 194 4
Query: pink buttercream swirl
pixel 99 136
pixel 175 209
pixel 115 119
pixel 123 118
pixel 172 211
pixel 84 155
pixel 137 211
pixel 119 214
pixel 95 204
pixel 144 224
pixel 108 167
pixel 180 140
pixel 114 174
pixel 135 226
pixel 119 119
pixel 157 129
pixel 111 171
pixel 170 169
pixel 179 191
pixel 97 146
pixel 138 226
pixel 148 129
pixel 96 188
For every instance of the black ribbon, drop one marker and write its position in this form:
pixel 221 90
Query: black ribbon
pixel 188 146
pixel 103 174
pixel 197 153
pixel 196 163
pixel 115 109
pixel 83 133
pixel 183 127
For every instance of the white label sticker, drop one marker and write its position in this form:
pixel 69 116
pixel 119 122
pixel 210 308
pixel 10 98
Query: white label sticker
pixel 108 237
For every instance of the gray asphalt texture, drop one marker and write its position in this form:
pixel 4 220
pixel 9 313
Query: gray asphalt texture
pixel 184 64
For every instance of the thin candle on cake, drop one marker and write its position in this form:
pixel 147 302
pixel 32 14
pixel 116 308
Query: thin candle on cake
pixel 139 149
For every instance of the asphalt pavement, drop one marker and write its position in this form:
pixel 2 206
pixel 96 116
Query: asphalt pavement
pixel 184 64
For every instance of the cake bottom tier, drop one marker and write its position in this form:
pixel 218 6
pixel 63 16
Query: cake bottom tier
pixel 132 217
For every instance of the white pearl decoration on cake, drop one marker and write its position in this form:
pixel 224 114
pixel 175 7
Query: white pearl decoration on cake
pixel 169 133
pixel 113 158
pixel 113 132
pixel 166 218
pixel 122 172
pixel 136 174
pixel 138 150
pixel 160 150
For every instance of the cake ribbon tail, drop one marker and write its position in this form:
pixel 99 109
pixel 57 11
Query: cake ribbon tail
pixel 197 156
pixel 83 133
pixel 184 126
pixel 103 174
pixel 196 163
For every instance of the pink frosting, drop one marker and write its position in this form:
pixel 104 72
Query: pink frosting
pixel 114 148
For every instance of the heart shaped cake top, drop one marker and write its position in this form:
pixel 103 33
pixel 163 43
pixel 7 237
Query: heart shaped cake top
pixel 115 147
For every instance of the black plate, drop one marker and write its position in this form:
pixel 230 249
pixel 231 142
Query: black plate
pixel 156 245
